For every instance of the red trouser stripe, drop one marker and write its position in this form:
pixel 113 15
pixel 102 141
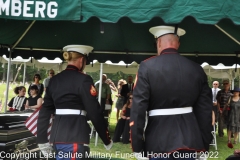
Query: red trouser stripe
pixel 75 148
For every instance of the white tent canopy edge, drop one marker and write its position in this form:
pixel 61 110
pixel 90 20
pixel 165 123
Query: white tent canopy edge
pixel 218 71
pixel 58 65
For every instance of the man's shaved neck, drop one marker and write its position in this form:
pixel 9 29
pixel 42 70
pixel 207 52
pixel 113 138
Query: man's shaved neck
pixel 167 41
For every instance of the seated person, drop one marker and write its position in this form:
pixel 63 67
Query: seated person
pixel 35 100
pixel 122 127
pixel 18 103
pixel 36 81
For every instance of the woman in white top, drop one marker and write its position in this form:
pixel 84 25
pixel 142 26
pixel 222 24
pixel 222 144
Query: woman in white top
pixel 18 103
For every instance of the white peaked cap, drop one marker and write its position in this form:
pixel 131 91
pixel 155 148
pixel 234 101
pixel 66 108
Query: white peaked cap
pixel 159 31
pixel 82 49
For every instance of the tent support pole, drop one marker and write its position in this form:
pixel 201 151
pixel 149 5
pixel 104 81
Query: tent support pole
pixel 8 76
pixel 227 34
pixel 24 74
pixel 29 27
pixel 232 83
pixel 99 96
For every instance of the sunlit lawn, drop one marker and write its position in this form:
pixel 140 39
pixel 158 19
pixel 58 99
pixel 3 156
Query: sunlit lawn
pixel 222 153
pixel 120 150
pixel 11 94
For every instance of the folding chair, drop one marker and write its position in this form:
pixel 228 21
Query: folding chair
pixel 107 116
pixel 214 142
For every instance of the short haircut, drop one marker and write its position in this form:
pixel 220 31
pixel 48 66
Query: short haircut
pixel 34 87
pixel 225 81
pixel 105 75
pixel 215 82
pixel 36 75
pixel 17 89
pixel 51 70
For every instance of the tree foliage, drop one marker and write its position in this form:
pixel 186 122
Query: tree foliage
pixel 30 71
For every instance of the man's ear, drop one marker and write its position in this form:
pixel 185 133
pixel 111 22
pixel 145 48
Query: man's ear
pixel 158 42
pixel 81 59
pixel 178 44
pixel 158 45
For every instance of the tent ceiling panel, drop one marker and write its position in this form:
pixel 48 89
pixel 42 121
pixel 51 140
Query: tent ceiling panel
pixel 122 28
pixel 125 36
pixel 122 37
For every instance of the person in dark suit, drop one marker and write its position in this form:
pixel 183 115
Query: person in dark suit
pixel 127 89
pixel 175 92
pixel 71 95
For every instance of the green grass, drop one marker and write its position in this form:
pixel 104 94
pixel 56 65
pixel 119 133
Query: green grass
pixel 11 94
pixel 123 149
pixel 222 153
pixel 223 150
pixel 118 150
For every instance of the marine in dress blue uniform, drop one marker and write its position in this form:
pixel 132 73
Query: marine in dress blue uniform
pixel 71 96
pixel 175 93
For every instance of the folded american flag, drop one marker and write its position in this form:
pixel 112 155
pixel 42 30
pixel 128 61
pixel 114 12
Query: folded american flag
pixel 31 123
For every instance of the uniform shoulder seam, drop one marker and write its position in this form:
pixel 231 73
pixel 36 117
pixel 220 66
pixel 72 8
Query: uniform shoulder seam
pixel 82 73
pixel 149 58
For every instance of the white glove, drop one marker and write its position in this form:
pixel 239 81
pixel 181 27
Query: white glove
pixel 139 156
pixel 46 149
pixel 109 146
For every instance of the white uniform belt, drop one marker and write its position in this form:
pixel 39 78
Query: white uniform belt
pixel 70 112
pixel 171 111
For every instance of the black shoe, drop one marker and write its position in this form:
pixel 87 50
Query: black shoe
pixel 116 141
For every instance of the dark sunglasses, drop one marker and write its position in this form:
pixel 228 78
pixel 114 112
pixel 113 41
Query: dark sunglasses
pixel 51 73
pixel 225 83
pixel 215 84
pixel 130 97
pixel 36 77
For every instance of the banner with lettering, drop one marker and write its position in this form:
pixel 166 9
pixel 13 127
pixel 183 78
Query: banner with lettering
pixel 40 9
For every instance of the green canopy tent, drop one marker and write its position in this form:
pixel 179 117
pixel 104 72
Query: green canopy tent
pixel 123 40
pixel 118 30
